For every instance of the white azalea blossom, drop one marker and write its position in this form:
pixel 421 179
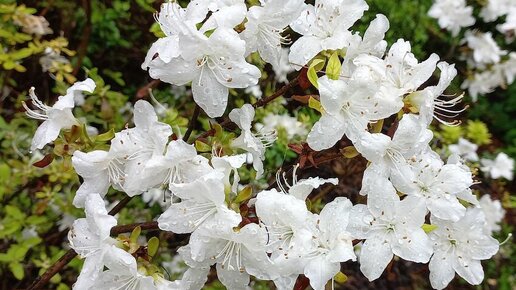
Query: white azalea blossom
pixel 377 104
pixel 332 243
pixel 212 64
pixel 389 157
pixel 459 247
pixel 494 9
pixel 291 125
pixel 485 49
pixel 400 72
pixel 452 15
pixel 323 26
pixel 201 200
pixel 465 149
pixel 345 112
pixel 57 117
pixel 501 166
pixel 255 144
pixel 389 227
pixel 128 155
pixel 265 27
pixel 438 186
pixel 90 238
pixel 493 212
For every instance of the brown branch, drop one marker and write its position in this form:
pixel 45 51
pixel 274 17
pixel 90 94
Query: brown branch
pixel 146 226
pixel 85 39
pixel 191 123
pixel 43 280
pixel 260 103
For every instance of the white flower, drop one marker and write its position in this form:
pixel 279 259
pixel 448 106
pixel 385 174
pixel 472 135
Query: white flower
pixel 348 107
pixel 237 252
pixel 32 24
pixel 300 189
pixel 332 243
pixel 501 166
pixel 291 125
pixel 180 164
pixel 213 65
pixel 57 117
pixel 252 143
pixel 123 274
pixel 173 20
pixel 130 152
pixel 324 26
pixel 389 156
pixel 289 231
pixel 223 13
pixel 389 227
pixel 201 200
pixel 400 72
pixel 438 186
pixel 509 27
pixel 99 169
pixel 147 140
pixel 452 14
pixel 483 83
pixel 265 26
pixel 90 238
pixel 485 49
pixel 459 247
pixel 495 9
pixel 229 166
pixel 493 212
pixel 429 102
pixel 284 67
pixel 372 43
pixel 465 149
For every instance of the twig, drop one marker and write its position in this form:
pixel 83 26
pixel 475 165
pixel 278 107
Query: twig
pixel 43 280
pixel 262 102
pixel 191 124
pixel 85 38
pixel 146 226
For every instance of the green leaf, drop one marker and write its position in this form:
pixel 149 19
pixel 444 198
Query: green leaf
pixel 340 278
pixel 5 173
pixel 315 104
pixel 334 67
pixel 202 147
pixel 428 228
pixel 244 195
pixel 14 212
pixel 152 246
pixel 135 234
pixel 312 71
pixel 349 152
pixel 106 136
pixel 17 270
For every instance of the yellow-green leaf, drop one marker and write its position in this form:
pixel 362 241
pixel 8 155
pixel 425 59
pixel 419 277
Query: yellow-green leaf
pixel 340 278
pixel 202 147
pixel 334 66
pixel 17 270
pixel 349 152
pixel 152 246
pixel 428 228
pixel 314 67
pixel 315 104
pixel 244 195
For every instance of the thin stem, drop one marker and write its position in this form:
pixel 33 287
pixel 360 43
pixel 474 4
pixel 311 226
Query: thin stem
pixel 260 103
pixel 191 124
pixel 43 280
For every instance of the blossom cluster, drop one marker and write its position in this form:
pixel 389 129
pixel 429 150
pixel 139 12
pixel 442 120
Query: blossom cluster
pixel 419 207
pixel 491 67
